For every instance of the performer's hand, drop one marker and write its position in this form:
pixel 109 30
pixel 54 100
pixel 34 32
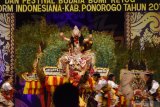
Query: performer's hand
pixel 61 34
pixel 90 36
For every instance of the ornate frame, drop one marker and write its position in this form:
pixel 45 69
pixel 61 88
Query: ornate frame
pixel 145 25
pixel 7 26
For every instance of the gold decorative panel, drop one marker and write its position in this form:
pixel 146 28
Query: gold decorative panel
pixel 145 25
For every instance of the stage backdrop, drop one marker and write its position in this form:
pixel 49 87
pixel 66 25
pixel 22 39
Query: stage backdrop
pixel 145 25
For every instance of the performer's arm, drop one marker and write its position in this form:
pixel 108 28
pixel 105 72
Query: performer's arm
pixel 67 71
pixel 154 88
pixel 63 37
pixel 113 84
pixel 89 38
pixel 8 86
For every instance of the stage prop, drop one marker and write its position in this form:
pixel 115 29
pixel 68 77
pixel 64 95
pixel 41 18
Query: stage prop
pixel 32 84
pixel 53 77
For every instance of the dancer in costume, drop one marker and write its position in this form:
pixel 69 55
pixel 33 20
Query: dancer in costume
pixel 152 87
pixel 111 81
pixel 114 99
pixel 7 91
pixel 79 57
pixel 99 85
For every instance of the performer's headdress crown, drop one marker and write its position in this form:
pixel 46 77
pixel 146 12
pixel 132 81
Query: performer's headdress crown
pixel 76 31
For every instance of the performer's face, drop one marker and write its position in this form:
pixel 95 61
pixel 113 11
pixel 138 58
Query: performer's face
pixel 113 78
pixel 95 78
pixel 76 34
pixel 10 79
pixel 146 77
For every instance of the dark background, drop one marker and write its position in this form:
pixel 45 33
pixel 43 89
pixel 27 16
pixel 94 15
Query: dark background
pixel 105 21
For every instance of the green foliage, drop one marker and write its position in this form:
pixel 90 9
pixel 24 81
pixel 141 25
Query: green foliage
pixel 30 35
pixel 25 55
pixel 33 33
pixel 122 57
pixel 55 47
pixel 26 43
pixel 152 57
pixel 27 40
pixel 104 48
pixel 51 55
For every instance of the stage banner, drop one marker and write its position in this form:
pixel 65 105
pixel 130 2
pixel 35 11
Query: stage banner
pixel 145 25
pixel 7 25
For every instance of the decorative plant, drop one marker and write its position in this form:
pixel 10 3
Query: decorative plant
pixel 27 40
pixel 152 57
pixel 25 55
pixel 30 36
pixel 122 57
pixel 104 48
